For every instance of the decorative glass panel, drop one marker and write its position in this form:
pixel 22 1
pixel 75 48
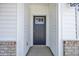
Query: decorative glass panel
pixel 39 20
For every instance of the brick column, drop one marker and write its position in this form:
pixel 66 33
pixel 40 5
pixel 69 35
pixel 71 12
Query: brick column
pixel 7 48
pixel 71 48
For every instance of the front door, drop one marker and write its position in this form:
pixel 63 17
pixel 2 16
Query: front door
pixel 39 30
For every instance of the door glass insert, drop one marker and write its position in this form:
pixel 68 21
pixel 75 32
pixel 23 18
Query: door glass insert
pixel 39 20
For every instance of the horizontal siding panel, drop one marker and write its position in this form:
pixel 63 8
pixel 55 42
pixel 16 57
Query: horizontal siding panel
pixel 7 10
pixel 8 21
pixel 9 33
pixel 7 26
pixel 1 13
pixel 8 4
pixel 68 23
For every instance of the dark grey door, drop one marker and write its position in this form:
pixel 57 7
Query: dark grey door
pixel 39 30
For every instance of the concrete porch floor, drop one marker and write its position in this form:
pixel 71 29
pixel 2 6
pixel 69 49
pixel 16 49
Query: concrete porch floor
pixel 39 50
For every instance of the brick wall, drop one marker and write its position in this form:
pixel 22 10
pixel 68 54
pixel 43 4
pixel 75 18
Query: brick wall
pixel 7 48
pixel 71 48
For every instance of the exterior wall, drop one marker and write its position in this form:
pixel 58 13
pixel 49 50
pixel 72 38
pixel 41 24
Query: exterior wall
pixel 8 22
pixel 68 22
pixel 53 28
pixel 7 29
pixel 68 30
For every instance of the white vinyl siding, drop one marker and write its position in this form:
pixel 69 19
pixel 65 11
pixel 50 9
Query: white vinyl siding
pixel 68 22
pixel 78 24
pixel 7 21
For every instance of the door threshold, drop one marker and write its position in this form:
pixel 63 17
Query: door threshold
pixel 39 45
